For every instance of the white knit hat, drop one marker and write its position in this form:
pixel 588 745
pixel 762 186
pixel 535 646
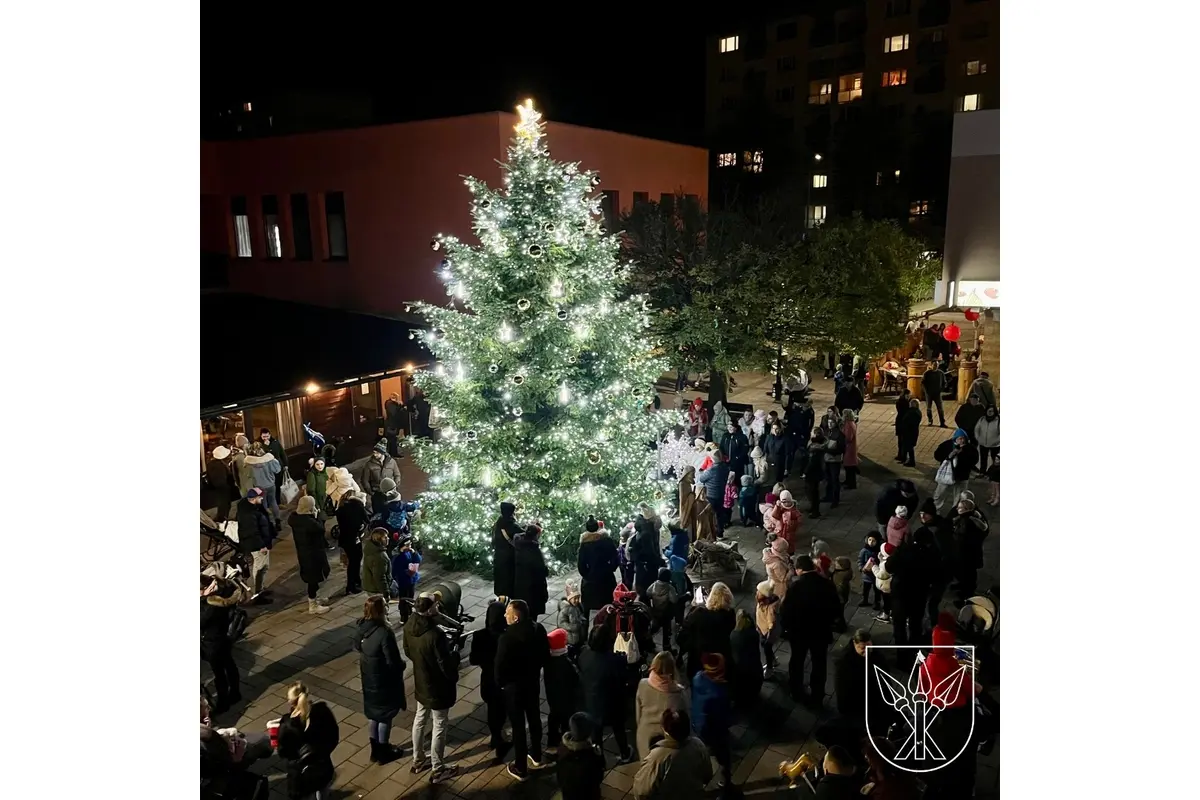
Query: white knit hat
pixel 785 497
pixel 220 452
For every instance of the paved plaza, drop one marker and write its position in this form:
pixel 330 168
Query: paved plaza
pixel 284 643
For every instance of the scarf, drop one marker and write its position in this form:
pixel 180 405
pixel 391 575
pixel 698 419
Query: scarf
pixel 714 667
pixel 661 682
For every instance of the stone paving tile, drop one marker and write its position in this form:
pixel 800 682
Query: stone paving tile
pixel 284 644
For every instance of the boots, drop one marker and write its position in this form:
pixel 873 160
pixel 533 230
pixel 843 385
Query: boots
pixel 315 607
pixel 384 753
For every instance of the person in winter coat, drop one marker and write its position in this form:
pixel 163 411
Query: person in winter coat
pixel 849 398
pixel 902 492
pixel 435 683
pixel 597 564
pixel 737 447
pixel 867 557
pixel 644 553
pixel 530 573
pixel 970 529
pixel 379 465
pixel 580 765
pixel 849 678
pixel 835 449
pixel 901 407
pixel 842 575
pixel 713 480
pixel 850 459
pixel 264 468
pixel 309 537
pixel 912 568
pixel 316 484
pixel 747 666
pixel 747 501
pixel 897 527
pixel 572 619
pixel 307 739
pixel 963 458
pixel 968 415
pixel 242 474
pixel 784 519
pixel 987 435
pixel 759 467
pixel 777 561
pixel 941 533
pixel 664 601
pixel 955 718
pixel 220 474
pixel 256 535
pixel 659 691
pixel 712 713
pixel 679 766
pixel 602 673
pixel 984 389
pixel 706 628
pixel 697 417
pixel 218 599
pixel 521 654
pixel 340 484
pixel 564 692
pixel 720 424
pixel 504 565
pixel 405 574
pixel 883 580
pixel 483 655
pixel 681 542
pixel 798 424
pixel 274 447
pixel 352 519
pixel 381 670
pixel 808 615
pixel 910 433
pixel 814 472
pixel 376 567
pixel 933 382
pixel 766 622
pixel 776 450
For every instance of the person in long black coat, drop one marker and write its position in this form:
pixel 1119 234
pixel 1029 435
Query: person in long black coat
pixel 809 611
pixel 602 674
pixel 483 655
pixel 597 565
pixel 352 520
pixel 901 492
pixel 307 739
pixel 707 628
pixel 902 403
pixel 382 673
pixel 910 431
pixel 737 448
pixel 646 556
pixel 504 531
pixel 309 535
pixel 913 567
pixel 529 571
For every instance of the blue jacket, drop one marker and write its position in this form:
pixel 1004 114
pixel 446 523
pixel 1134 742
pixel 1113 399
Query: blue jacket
pixel 865 555
pixel 681 542
pixel 711 716
pixel 394 515
pixel 713 480
pixel 400 562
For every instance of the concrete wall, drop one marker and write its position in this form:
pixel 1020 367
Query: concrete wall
pixel 972 248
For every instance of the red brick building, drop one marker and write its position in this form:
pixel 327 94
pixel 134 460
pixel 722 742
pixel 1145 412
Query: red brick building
pixel 344 218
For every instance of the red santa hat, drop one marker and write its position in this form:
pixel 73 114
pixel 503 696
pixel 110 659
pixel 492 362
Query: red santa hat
pixel 558 642
pixel 622 594
pixel 888 548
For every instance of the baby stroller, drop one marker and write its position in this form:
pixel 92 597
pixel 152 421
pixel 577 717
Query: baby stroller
pixel 451 619
pixel 979 625
pixel 221 545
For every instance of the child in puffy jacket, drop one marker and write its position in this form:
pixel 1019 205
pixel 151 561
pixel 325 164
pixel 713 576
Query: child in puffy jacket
pixel 766 620
pixel 405 574
pixel 746 501
pixel 729 500
pixel 572 619
pixel 883 581
pixel 867 557
pixel 897 527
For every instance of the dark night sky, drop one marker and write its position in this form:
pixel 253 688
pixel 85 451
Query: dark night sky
pixel 639 72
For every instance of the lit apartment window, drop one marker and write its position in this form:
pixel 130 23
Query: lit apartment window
pixel 247 107
pixel 814 217
pixel 894 44
pixel 976 67
pixel 271 230
pixel 726 159
pixel 918 208
pixel 897 176
pixel 820 181
pixel 335 223
pixel 895 77
pixel 729 44
pixel 241 227
pixel 849 87
pixel 819 92
pixel 970 102
pixel 785 94
pixel 752 161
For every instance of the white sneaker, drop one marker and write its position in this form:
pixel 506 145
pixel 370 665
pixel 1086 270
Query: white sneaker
pixel 315 607
pixel 535 764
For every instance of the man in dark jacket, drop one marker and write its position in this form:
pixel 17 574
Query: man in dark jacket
pixel 970 529
pixel 275 448
pixel 435 683
pixel 839 781
pixel 814 470
pixel 968 415
pixel 520 655
pixel 217 602
pixel 643 550
pixel 912 567
pixel 564 694
pixel 504 558
pixel 809 612
pixel 900 493
pixel 901 407
pixel 849 397
pixel 942 533
pixel 580 763
pixel 737 446
pixel 255 536
pixel 933 382
pixel 963 457
pixel 798 422
pixel 597 564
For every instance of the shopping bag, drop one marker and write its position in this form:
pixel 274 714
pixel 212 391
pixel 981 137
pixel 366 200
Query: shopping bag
pixel 289 490
pixel 945 474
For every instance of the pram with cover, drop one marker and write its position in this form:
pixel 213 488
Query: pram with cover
pixel 221 546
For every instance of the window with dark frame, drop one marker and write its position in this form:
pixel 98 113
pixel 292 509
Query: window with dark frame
pixel 301 228
pixel 335 224
pixel 667 201
pixel 272 231
pixel 640 198
pixel 241 227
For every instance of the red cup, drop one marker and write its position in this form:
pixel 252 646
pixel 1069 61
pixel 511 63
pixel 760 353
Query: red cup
pixel 273 733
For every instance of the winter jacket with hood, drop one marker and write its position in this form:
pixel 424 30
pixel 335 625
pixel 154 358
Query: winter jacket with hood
pixel 674 770
pixel 572 620
pixel 376 569
pixel 530 573
pixel 720 424
pixel 850 432
pixel 985 390
pixel 737 451
pixel 504 564
pixel 564 692
pixel 968 416
pixel 381 669
pixel 910 428
pixel 970 530
pixel 913 568
pixel 483 650
pixel 843 574
pixel 987 431
pixel 340 482
pixel 215 612
pixel 352 519
pixel 892 496
pixel 263 470
pixel 579 769
pixel 316 485
pixel 713 480
pixel 435 665
pixel 810 609
pixel 864 557
pixel 940 664
pixel 761 468
pixel 255 530
pixel 897 531
pixel 651 703
pixel 711 712
pixel 966 459
pixel 779 566
pixel 521 654
pixel 597 564
pixel 766 611
pixel 309 537
pixel 374 471
pixel 786 524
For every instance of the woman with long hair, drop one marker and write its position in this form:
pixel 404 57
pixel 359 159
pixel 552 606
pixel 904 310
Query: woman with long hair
pixel 382 673
pixel 307 738
pixel 657 693
pixel 706 629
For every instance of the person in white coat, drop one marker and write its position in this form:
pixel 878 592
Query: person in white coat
pixel 987 433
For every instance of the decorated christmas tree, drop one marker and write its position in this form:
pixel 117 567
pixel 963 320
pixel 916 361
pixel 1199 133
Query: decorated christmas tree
pixel 542 376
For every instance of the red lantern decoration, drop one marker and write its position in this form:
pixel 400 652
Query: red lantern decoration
pixel 952 332
pixel 971 314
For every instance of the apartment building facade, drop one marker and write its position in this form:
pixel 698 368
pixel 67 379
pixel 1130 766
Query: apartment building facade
pixel 344 218
pixel 853 101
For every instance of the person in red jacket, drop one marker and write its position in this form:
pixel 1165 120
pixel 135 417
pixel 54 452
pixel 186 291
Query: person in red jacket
pixel 941 664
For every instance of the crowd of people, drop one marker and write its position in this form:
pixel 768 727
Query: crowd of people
pixel 636 649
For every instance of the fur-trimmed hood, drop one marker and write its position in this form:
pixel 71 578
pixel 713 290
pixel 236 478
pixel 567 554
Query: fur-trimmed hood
pixel 592 536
